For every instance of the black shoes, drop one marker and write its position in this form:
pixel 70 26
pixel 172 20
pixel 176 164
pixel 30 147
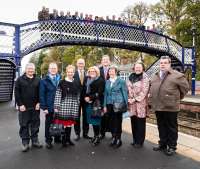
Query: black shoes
pixel 167 151
pixel 118 143
pixel 37 144
pixel 102 136
pixel 95 140
pixel 25 147
pixel 49 145
pixel 113 142
pixel 159 148
pixel 170 151
pixel 77 138
pixel 70 143
pixel 86 136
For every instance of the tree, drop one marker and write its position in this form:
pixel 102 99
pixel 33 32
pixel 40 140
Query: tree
pixel 138 13
pixel 180 17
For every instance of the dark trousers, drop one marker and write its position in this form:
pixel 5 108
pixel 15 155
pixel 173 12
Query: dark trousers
pixel 29 122
pixel 96 130
pixel 167 128
pixel 138 126
pixel 66 136
pixel 115 122
pixel 85 125
pixel 105 123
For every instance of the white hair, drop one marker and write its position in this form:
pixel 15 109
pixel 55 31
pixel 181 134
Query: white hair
pixel 30 65
pixel 52 64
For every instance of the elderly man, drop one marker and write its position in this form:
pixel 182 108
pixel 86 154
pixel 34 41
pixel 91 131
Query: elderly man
pixel 80 76
pixel 48 86
pixel 168 87
pixel 27 99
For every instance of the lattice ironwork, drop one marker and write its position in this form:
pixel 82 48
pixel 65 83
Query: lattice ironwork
pixel 6 39
pixel 39 34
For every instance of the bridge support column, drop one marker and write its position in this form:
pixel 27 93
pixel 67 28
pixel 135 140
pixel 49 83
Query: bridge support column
pixel 17 49
pixel 193 71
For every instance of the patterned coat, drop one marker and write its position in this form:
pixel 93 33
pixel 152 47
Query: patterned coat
pixel 138 91
pixel 68 107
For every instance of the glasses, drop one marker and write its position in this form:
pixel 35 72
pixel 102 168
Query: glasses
pixel 92 71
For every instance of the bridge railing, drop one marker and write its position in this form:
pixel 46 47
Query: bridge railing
pixel 7 32
pixel 38 34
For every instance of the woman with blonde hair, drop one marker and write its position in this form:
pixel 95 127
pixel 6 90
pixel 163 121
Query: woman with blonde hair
pixel 94 101
pixel 66 104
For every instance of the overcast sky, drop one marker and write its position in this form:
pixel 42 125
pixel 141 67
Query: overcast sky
pixel 21 11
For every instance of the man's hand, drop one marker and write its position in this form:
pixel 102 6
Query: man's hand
pixel 87 99
pixel 45 111
pixel 37 107
pixel 105 110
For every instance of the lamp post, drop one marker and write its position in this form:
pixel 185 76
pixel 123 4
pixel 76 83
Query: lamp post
pixel 193 29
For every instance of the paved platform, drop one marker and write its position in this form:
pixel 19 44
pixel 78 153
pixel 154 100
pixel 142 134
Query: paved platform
pixel 192 99
pixel 84 156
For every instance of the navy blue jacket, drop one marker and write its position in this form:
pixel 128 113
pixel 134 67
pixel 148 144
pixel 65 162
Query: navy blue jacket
pixel 47 93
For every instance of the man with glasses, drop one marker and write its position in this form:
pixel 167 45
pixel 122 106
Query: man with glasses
pixel 167 88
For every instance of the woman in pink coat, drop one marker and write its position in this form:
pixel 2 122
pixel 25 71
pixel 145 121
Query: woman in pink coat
pixel 138 88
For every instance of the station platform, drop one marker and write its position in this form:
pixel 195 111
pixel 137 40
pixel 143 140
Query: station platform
pixel 85 156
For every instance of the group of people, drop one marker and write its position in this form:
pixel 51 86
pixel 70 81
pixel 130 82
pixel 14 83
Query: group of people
pixel 44 14
pixel 99 97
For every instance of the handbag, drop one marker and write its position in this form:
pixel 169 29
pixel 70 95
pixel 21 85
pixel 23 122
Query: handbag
pixel 120 107
pixel 96 109
pixel 56 129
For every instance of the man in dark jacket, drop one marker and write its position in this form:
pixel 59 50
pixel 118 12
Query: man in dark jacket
pixel 27 99
pixel 105 121
pixel 167 88
pixel 80 76
pixel 48 86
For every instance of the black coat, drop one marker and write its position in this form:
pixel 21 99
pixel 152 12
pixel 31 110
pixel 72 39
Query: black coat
pixel 96 90
pixel 102 74
pixel 27 91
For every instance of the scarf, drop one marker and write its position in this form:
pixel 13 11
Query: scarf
pixel 135 77
pixel 89 81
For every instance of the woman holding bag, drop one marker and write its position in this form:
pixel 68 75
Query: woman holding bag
pixel 138 88
pixel 115 103
pixel 66 104
pixel 94 101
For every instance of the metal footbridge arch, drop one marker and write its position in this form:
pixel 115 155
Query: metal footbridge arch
pixel 18 40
